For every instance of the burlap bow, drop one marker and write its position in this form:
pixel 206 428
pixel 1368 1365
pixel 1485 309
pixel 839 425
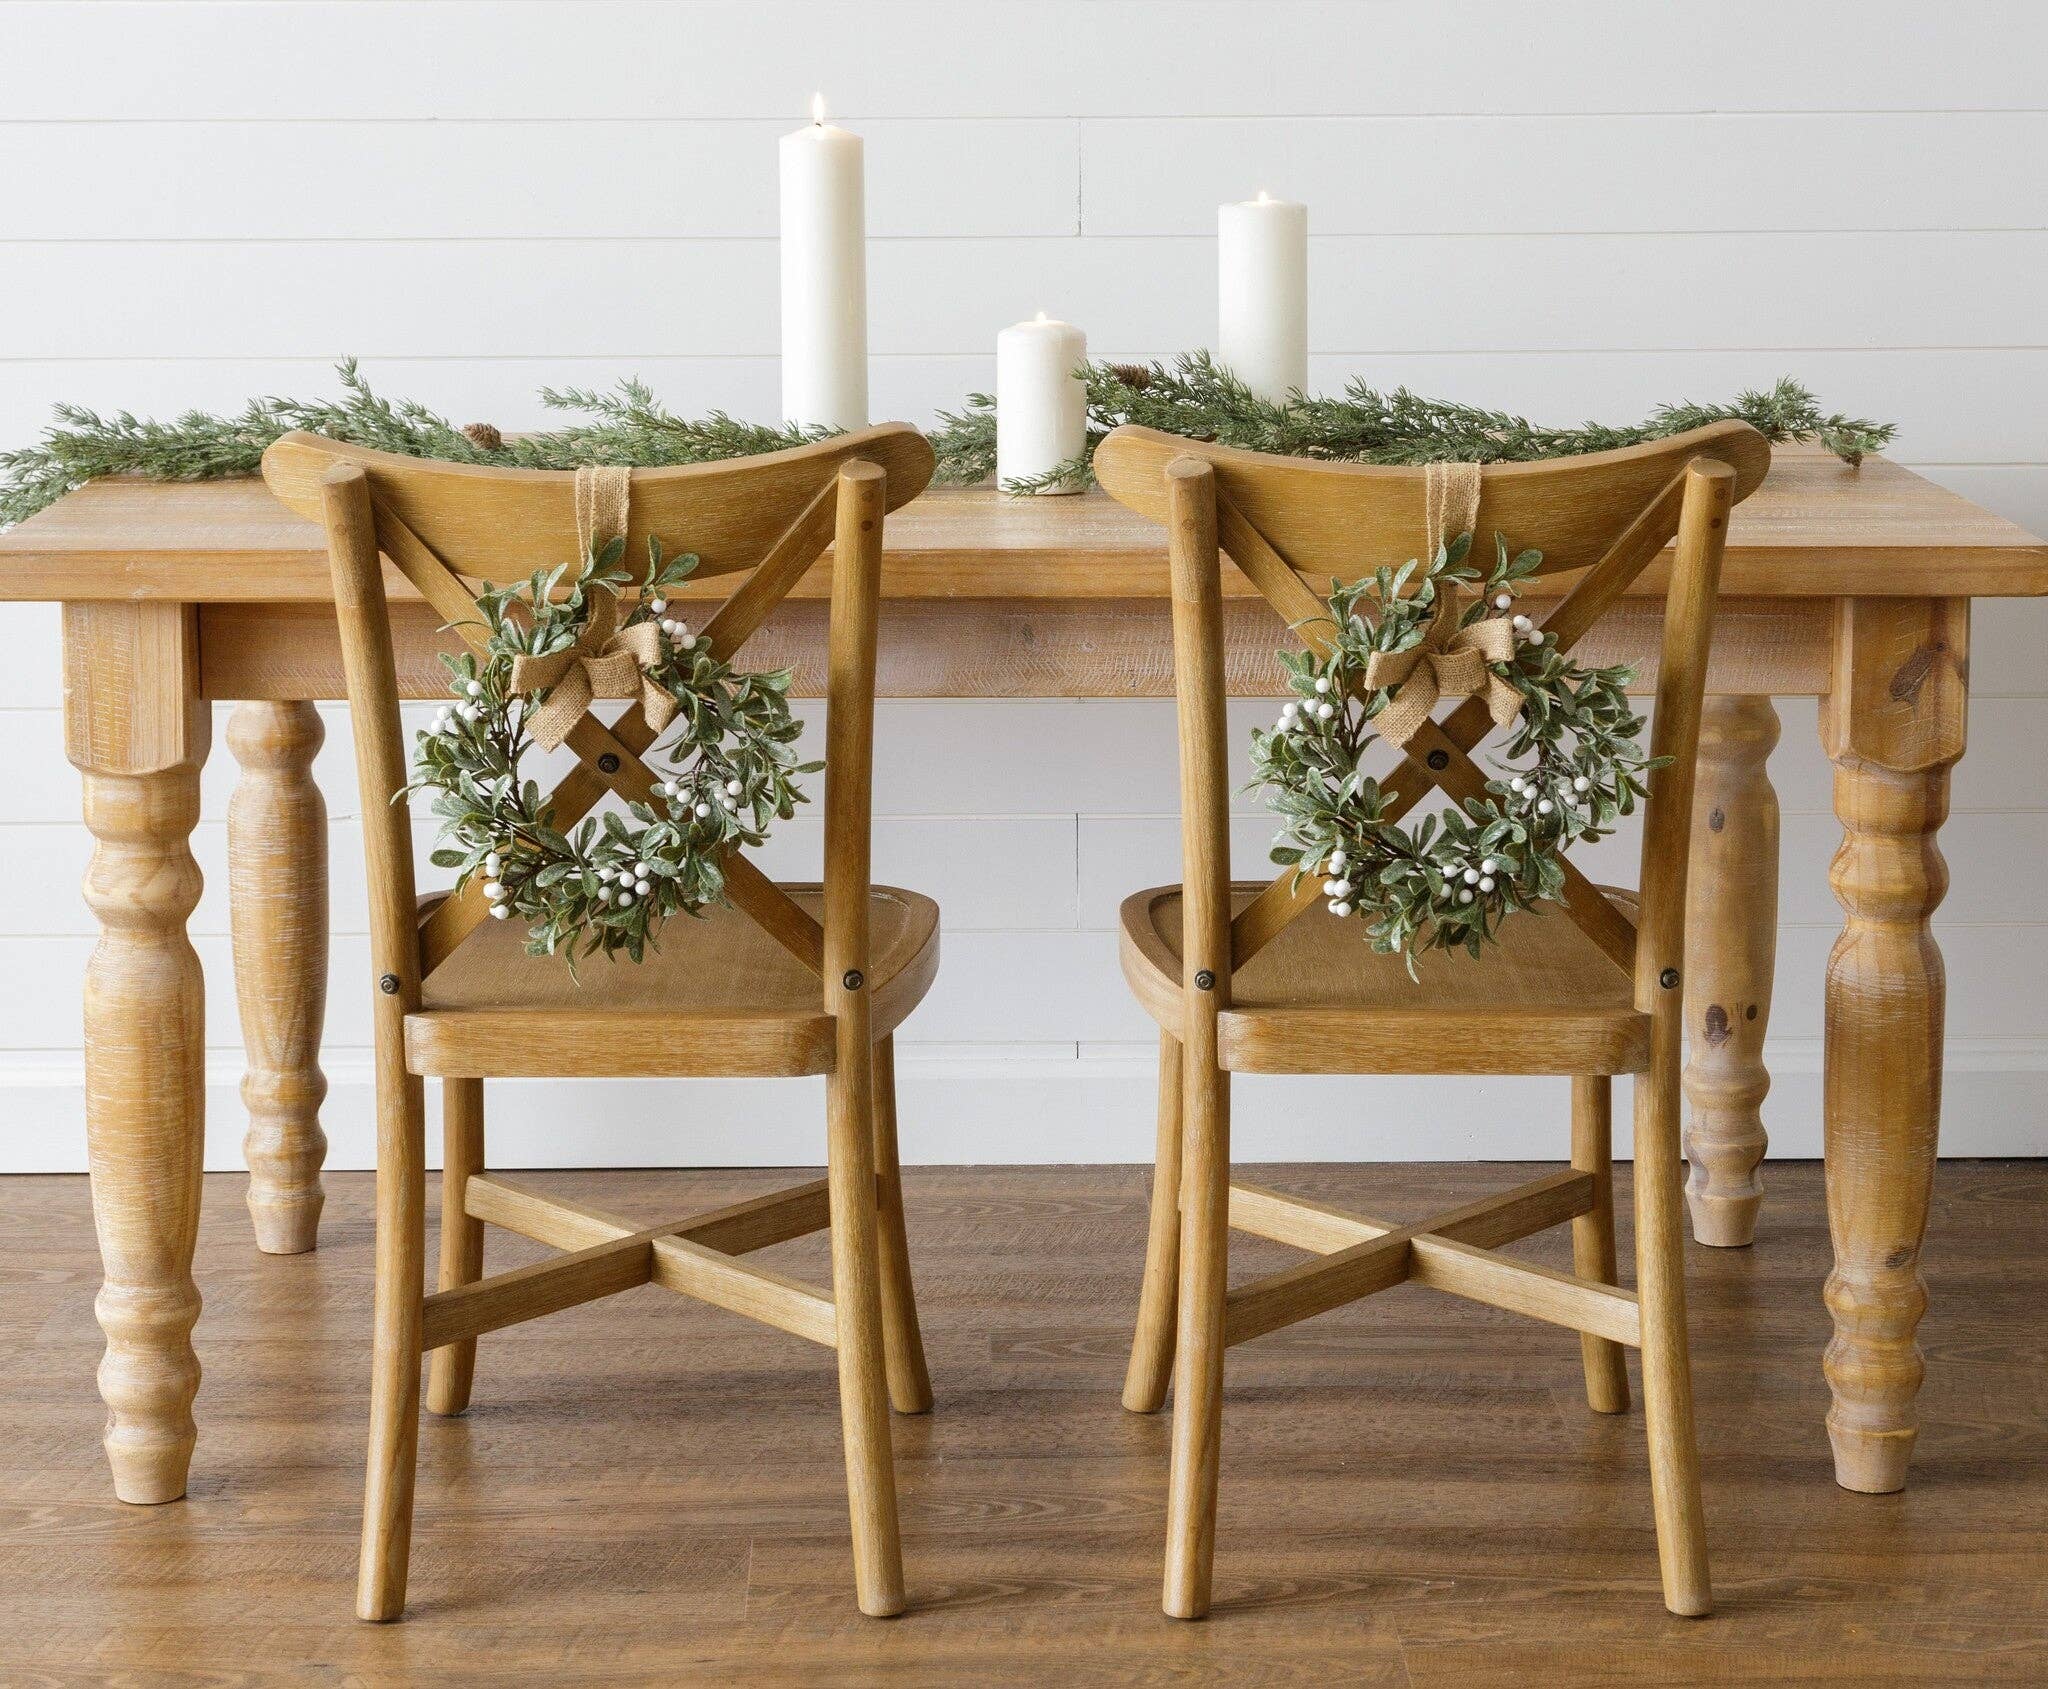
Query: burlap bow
pixel 605 662
pixel 1451 661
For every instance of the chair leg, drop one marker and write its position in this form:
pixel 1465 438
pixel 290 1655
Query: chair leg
pixel 395 1348
pixel 1667 1368
pixel 1151 1365
pixel 910 1382
pixel 452 1368
pixel 857 1295
pixel 1593 1233
pixel 1198 1370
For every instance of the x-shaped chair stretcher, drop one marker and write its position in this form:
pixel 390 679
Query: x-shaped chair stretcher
pixel 1451 1251
pixel 605 1254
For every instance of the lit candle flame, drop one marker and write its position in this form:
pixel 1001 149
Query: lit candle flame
pixel 817 108
pixel 1041 317
pixel 1264 198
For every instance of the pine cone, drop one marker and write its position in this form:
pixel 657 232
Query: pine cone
pixel 483 436
pixel 1131 375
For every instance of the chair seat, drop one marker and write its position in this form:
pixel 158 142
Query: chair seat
pixel 719 997
pixel 1319 999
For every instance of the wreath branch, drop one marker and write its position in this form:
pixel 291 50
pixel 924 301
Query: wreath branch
pixel 1570 768
pixel 608 887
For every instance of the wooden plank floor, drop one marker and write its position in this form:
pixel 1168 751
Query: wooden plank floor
pixel 649 1491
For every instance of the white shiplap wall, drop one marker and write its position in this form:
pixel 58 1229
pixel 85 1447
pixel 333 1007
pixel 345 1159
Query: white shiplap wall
pixel 1576 209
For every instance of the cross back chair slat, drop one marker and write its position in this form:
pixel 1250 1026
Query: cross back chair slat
pixel 1193 952
pixel 763 522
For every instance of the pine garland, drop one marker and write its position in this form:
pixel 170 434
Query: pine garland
pixel 1195 397
pixel 627 426
pixel 1191 396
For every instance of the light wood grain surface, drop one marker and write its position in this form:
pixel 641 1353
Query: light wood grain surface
pixel 1817 528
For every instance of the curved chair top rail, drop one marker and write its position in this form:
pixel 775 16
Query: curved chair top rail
pixel 492 523
pixel 1343 519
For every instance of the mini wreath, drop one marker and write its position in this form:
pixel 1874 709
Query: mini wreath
pixel 1571 768
pixel 608 888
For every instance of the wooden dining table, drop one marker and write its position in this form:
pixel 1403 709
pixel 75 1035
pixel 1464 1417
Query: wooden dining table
pixel 1852 584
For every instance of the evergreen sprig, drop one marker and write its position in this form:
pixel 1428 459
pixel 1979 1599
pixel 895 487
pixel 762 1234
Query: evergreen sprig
pixel 626 425
pixel 1194 396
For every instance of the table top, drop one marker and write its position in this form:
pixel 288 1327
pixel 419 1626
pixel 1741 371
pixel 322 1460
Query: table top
pixel 1817 528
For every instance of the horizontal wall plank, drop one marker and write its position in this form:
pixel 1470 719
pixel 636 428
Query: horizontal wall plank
pixel 617 299
pixel 1953 406
pixel 1467 175
pixel 1030 988
pixel 1026 1105
pixel 926 58
pixel 1057 757
pixel 642 177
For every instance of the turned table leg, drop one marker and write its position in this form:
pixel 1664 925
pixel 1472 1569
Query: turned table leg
pixel 1894 726
pixel 137 731
pixel 277 884
pixel 1731 953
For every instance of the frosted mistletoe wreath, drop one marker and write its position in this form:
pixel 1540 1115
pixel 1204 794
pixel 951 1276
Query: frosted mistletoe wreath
pixel 608 887
pixel 1402 638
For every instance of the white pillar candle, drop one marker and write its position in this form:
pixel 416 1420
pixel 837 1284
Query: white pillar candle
pixel 824 276
pixel 1041 404
pixel 1262 294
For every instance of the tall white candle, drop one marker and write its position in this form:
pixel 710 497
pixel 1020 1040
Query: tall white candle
pixel 824 276
pixel 1041 405
pixel 1262 294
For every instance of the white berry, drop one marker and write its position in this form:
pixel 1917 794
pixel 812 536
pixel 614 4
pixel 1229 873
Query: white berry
pixel 1522 624
pixel 1322 683
pixel 1486 883
pixel 643 887
pixel 1338 889
pixel 1340 910
pixel 1464 897
pixel 499 911
pixel 1471 876
pixel 1503 600
pixel 475 689
pixel 493 890
pixel 732 788
pixel 1517 785
pixel 729 803
pixel 1580 783
pixel 493 863
pixel 625 900
pixel 658 605
pixel 1337 861
pixel 1325 711
pixel 688 642
pixel 1545 807
pixel 702 809
pixel 1488 866
pixel 607 874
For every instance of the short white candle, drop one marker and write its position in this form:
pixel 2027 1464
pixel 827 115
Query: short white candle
pixel 1262 294
pixel 824 276
pixel 1041 404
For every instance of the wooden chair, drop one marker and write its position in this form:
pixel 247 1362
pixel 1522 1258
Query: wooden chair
pixel 1251 978
pixel 798 980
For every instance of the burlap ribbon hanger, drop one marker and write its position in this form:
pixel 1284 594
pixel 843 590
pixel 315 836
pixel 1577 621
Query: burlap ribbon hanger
pixel 605 661
pixel 1451 661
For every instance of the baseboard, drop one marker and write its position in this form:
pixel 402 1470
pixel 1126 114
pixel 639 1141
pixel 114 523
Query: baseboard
pixel 1038 1104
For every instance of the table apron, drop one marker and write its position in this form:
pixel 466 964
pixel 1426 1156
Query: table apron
pixel 1006 648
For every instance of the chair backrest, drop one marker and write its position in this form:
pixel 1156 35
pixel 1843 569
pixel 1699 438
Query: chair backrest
pixel 1293 527
pixel 763 519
